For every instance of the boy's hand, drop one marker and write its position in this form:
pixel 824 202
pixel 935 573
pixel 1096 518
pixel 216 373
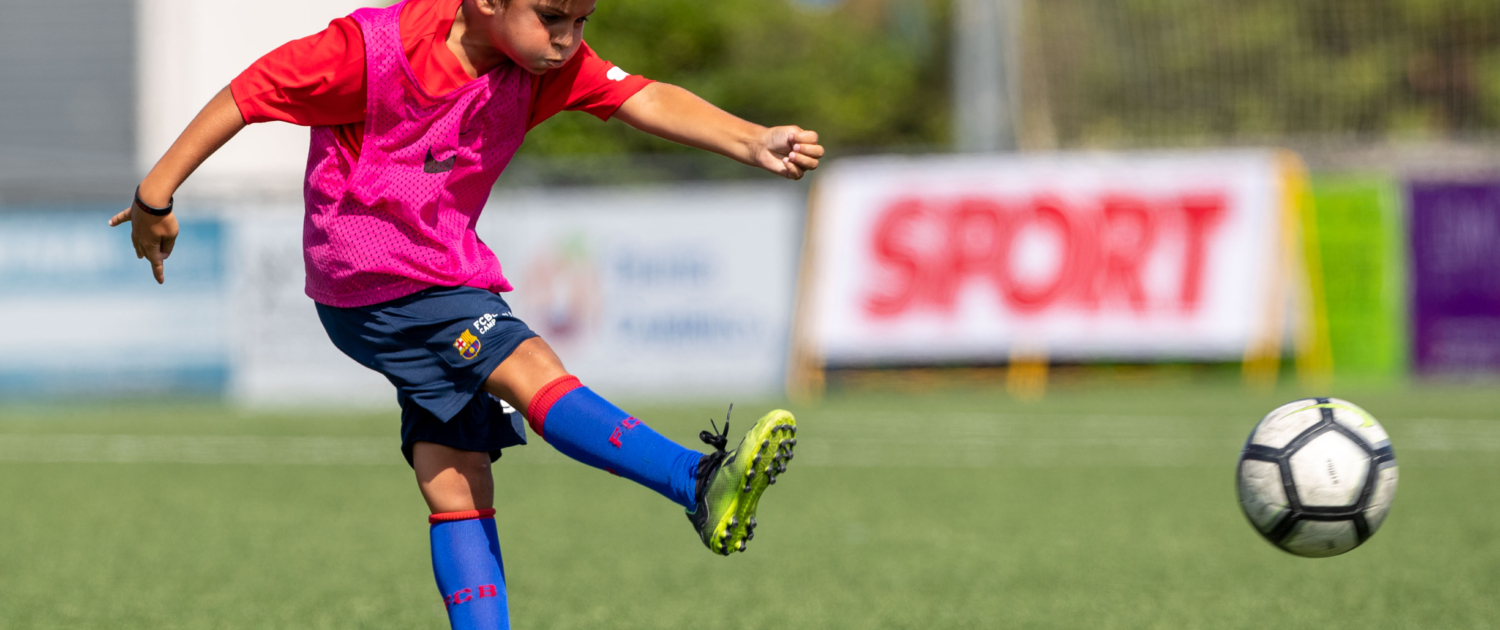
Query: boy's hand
pixel 152 236
pixel 789 151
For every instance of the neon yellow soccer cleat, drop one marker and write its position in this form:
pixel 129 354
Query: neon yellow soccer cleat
pixel 730 482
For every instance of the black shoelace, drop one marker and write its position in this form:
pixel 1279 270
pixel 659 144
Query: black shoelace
pixel 721 440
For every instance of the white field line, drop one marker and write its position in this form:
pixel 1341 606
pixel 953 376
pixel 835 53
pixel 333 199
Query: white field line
pixel 163 449
pixel 957 440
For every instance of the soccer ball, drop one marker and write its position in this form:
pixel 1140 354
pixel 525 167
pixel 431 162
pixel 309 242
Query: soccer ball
pixel 1317 477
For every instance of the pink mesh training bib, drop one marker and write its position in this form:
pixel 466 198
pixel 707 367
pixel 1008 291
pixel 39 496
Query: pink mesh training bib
pixel 402 217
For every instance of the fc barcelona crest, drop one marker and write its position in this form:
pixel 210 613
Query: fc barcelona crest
pixel 467 344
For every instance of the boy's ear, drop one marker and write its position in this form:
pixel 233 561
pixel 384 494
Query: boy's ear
pixel 489 7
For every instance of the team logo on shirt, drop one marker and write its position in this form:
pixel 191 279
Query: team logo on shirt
pixel 467 344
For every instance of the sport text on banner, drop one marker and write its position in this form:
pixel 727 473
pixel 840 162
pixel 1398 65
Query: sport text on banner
pixel 1078 256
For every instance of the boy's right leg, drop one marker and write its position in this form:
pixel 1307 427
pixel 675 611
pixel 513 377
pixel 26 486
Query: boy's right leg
pixel 720 491
pixel 587 428
pixel 466 561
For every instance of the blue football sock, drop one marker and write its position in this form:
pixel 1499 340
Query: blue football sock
pixel 585 427
pixel 470 574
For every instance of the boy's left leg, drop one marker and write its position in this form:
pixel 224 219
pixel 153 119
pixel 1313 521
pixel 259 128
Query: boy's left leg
pixel 466 561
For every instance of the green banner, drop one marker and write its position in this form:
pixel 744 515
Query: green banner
pixel 1354 251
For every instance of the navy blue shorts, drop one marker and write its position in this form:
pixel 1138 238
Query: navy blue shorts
pixel 437 346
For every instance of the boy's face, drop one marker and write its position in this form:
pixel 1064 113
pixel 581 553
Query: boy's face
pixel 539 35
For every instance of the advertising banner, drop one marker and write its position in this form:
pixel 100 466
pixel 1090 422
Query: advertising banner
pixel 659 293
pixel 1355 243
pixel 1074 256
pixel 1455 276
pixel 81 316
pixel 682 292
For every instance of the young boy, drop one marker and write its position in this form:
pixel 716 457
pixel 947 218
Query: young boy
pixel 416 109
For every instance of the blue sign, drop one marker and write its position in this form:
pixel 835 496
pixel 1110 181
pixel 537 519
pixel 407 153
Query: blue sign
pixel 80 315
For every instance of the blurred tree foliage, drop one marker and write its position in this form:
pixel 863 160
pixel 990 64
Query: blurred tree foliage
pixel 1132 72
pixel 873 74
pixel 863 73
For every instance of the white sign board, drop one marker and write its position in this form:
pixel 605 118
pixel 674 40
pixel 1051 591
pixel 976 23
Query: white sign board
pixel 681 292
pixel 644 293
pixel 1079 256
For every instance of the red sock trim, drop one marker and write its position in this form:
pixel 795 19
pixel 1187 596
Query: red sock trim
pixel 468 515
pixel 536 412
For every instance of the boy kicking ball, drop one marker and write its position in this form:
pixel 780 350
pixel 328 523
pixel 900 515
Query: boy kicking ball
pixel 415 110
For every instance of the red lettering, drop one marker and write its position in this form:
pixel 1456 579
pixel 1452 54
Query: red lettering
pixel 926 252
pixel 625 425
pixel 892 251
pixel 487 590
pixel 976 230
pixel 1128 236
pixel 1201 214
pixel 1033 299
pixel 462 596
pixel 1084 282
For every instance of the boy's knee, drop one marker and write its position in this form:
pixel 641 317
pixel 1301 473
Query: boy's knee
pixel 531 366
pixel 452 480
pixel 474 466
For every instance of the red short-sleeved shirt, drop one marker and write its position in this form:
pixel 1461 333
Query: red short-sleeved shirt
pixel 320 80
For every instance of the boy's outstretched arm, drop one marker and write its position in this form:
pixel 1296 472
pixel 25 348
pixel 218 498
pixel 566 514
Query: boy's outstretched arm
pixel 678 115
pixel 155 236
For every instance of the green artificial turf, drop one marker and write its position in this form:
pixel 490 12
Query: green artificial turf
pixel 1094 508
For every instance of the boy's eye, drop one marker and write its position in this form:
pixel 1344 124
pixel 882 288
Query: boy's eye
pixel 555 18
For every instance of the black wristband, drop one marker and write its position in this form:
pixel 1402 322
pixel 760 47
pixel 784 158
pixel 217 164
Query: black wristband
pixel 157 212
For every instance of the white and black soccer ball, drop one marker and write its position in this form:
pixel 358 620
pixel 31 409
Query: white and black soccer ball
pixel 1317 477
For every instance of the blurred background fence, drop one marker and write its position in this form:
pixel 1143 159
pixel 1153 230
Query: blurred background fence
pixel 1210 72
pixel 107 83
pixel 1393 104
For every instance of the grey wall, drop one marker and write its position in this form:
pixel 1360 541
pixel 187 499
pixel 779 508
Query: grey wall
pixel 67 100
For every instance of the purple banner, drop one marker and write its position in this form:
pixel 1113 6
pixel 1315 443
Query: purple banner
pixel 1455 277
